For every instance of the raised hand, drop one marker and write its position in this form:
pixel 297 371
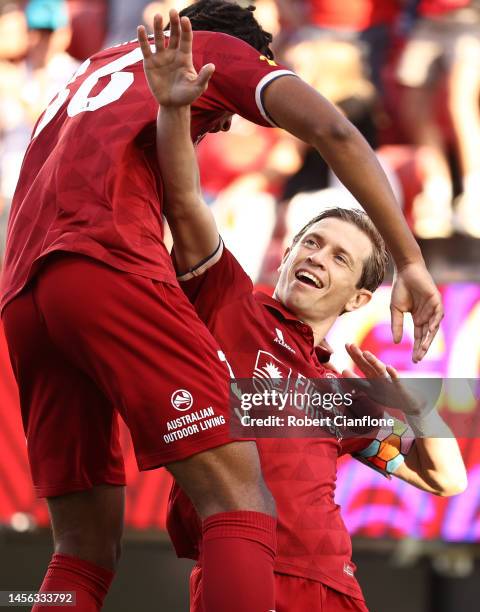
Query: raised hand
pixel 389 391
pixel 169 69
pixel 368 364
pixel 414 291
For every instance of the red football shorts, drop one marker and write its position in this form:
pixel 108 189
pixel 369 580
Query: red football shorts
pixel 86 342
pixel 292 594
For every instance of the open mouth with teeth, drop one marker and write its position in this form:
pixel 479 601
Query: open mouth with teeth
pixel 308 279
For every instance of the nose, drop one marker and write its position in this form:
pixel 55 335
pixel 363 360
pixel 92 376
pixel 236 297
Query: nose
pixel 317 259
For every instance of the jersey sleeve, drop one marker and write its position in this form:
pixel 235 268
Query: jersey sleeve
pixel 214 283
pixel 385 450
pixel 242 75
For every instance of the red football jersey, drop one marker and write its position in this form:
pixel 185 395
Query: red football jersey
pixel 90 181
pixel 259 337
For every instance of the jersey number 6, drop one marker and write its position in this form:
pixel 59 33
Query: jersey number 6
pixel 81 101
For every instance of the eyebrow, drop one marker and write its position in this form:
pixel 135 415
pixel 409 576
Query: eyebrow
pixel 339 248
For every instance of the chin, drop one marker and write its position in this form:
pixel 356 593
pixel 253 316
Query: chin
pixel 296 305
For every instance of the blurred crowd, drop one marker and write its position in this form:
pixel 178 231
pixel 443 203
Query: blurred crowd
pixel 405 72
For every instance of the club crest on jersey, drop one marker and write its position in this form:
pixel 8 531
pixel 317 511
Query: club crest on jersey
pixel 279 339
pixel 182 400
pixel 270 373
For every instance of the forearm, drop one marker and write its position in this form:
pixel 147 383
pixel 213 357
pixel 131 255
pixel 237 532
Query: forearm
pixel 175 83
pixel 194 232
pixel 303 112
pixel 353 161
pixel 434 463
pixel 177 160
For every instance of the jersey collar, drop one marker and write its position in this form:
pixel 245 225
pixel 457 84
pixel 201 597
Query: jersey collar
pixel 323 351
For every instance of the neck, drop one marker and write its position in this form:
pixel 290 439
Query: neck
pixel 320 328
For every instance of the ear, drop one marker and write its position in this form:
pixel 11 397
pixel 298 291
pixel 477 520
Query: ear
pixel 284 258
pixel 359 299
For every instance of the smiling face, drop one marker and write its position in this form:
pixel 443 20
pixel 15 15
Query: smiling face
pixel 319 275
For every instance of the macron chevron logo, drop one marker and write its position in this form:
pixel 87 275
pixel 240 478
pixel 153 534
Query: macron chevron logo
pixel 279 339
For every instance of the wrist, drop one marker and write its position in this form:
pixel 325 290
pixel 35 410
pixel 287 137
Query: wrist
pixel 175 118
pixel 174 109
pixel 413 257
pixel 403 265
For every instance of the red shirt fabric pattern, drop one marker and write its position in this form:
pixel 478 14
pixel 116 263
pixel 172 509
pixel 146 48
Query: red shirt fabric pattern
pixel 253 329
pixel 90 182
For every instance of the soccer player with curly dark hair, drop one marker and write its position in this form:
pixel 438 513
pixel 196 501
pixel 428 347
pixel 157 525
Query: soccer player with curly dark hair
pixel 97 325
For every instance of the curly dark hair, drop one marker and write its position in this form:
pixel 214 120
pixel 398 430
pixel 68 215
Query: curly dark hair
pixel 229 18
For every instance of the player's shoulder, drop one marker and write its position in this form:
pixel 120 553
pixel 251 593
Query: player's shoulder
pixel 229 274
pixel 229 259
pixel 217 37
pixel 204 41
pixel 112 53
pixel 221 42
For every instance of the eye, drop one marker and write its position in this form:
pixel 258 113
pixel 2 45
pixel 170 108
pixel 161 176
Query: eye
pixel 309 242
pixel 341 258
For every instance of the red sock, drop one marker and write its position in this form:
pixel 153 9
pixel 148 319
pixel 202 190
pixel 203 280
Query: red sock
pixel 238 551
pixel 89 582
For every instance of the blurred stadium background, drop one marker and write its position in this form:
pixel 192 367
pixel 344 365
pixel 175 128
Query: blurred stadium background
pixel 406 72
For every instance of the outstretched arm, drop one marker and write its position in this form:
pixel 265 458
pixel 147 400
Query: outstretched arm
pixel 175 84
pixel 434 462
pixel 298 108
pixel 302 111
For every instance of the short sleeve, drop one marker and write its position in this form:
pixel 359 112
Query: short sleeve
pixel 216 286
pixel 241 77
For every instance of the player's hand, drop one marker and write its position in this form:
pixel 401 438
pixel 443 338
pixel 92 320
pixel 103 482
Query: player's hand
pixel 170 73
pixel 385 387
pixel 414 291
pixel 368 364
